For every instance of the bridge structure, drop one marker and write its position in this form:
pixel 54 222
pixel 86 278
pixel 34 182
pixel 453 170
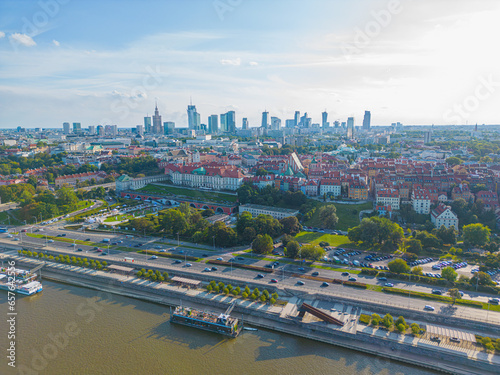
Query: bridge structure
pixel 219 208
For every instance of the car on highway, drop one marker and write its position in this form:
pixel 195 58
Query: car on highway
pixel 214 268
pixel 50 241
pixel 260 276
pixel 300 282
pixel 154 257
pixel 204 255
pixel 274 280
pixel 9 235
pixel 99 250
pixel 219 258
pixel 24 230
pixel 301 269
pixel 494 301
pixel 157 247
pixel 325 284
pixel 104 253
pixel 429 307
pixel 163 251
pixel 345 273
pixel 16 239
pixel 79 249
pixel 240 258
pixel 382 278
pixel 207 269
pixel 188 264
pixel 437 292
pixel 177 261
pixel 316 273
pixel 62 235
pixel 389 285
pixel 352 279
pixel 88 239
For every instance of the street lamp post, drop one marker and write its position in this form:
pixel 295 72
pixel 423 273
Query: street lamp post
pixel 213 237
pixel 409 290
pixel 178 244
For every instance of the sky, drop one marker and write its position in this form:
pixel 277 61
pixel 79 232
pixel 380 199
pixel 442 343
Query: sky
pixel 419 62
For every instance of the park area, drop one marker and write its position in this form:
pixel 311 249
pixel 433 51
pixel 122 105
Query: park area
pixel 190 193
pixel 315 238
pixel 348 215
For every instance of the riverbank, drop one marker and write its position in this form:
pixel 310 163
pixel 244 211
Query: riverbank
pixel 275 318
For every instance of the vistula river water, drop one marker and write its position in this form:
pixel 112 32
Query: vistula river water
pixel 68 330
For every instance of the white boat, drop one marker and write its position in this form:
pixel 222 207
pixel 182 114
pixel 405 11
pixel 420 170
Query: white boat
pixel 25 282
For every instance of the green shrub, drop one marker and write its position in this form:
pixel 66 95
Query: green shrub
pixel 365 319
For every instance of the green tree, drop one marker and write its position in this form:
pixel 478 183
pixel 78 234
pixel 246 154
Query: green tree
pixel 388 321
pixel 481 278
pixel 476 234
pixel 291 225
pixel 454 294
pixel 398 266
pixel 415 328
pixel 328 216
pixel 262 244
pixel 452 161
pixel 449 274
pixel 313 252
pixel 292 249
pixel 417 270
pixel 414 246
pixel 448 236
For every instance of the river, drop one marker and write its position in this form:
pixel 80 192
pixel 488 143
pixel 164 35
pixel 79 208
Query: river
pixel 71 330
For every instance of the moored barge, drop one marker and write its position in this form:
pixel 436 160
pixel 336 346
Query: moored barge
pixel 222 323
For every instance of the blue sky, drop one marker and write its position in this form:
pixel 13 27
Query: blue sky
pixel 106 62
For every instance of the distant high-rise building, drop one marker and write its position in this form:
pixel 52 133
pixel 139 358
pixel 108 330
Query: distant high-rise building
pixel 297 118
pixel 193 118
pixel 290 123
pixel 231 121
pixel 427 137
pixel 223 122
pixel 157 125
pixel 244 124
pixel 275 123
pixel 147 124
pixel 77 127
pixel 367 121
pixel 350 127
pixel 140 129
pixel 111 130
pixel 213 124
pixel 305 122
pixel 91 129
pixel 324 120
pixel 66 128
pixel 169 127
pixel 265 119
pixel 343 125
pixel 336 124
pixel 100 130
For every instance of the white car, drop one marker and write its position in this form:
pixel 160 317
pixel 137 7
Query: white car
pixel 154 257
pixel 50 241
pixel 9 236
pixel 429 307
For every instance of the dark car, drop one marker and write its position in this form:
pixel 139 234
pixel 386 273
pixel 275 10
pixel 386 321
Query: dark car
pixel 345 273
pixel 260 276
pixel 240 258
pixel 79 250
pixel 177 261
pixel 214 268
pixel 316 273
pixel 205 255
pixel 437 291
pixel 300 282
pixel 352 279
pixel 301 268
pixel 104 253
pixel 63 235
pixel 88 239
pixel 325 284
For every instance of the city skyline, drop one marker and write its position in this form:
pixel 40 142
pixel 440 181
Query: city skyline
pixel 415 62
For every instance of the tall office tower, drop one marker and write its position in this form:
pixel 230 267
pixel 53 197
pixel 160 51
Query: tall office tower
pixel 427 137
pixel 343 125
pixel 367 121
pixel 297 118
pixel 100 130
pixel 169 127
pixel 157 125
pixel 290 123
pixel 140 129
pixel 336 124
pixel 223 122
pixel 305 121
pixel 350 127
pixel 244 124
pixel 231 121
pixel 77 127
pixel 265 119
pixel 213 124
pixel 91 129
pixel 66 128
pixel 147 124
pixel 193 118
pixel 324 120
pixel 275 123
pixel 114 130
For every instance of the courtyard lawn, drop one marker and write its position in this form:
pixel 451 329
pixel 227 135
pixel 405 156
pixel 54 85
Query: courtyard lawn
pixel 190 193
pixel 348 215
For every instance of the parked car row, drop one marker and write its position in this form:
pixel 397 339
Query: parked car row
pixel 436 275
pixel 443 264
pixel 456 266
pixel 421 261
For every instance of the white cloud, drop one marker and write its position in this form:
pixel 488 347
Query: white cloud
pixel 56 43
pixel 234 62
pixel 2 34
pixel 22 39
pixel 253 63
